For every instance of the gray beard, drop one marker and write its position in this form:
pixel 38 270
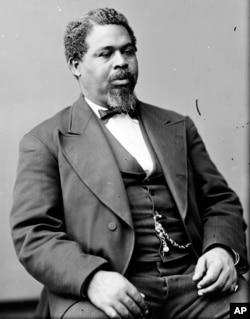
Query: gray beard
pixel 122 99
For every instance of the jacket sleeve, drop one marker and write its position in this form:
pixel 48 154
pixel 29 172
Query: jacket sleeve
pixel 219 206
pixel 37 222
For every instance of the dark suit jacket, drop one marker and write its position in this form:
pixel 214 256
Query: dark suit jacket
pixel 71 214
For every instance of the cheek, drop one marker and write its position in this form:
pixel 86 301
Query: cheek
pixel 135 71
pixel 95 79
pixel 134 67
pixel 100 74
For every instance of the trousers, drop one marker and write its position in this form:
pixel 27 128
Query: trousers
pixel 170 296
pixel 175 296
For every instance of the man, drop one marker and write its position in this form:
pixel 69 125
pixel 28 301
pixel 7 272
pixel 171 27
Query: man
pixel 122 214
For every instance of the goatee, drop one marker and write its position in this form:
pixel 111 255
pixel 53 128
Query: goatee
pixel 123 100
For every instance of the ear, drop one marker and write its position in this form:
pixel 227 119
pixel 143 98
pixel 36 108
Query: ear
pixel 74 66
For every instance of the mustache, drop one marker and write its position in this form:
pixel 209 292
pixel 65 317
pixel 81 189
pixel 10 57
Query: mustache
pixel 121 75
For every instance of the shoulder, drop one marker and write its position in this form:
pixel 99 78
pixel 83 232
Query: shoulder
pixel 161 112
pixel 59 121
pixel 45 135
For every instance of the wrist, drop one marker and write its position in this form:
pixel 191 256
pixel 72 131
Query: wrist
pixel 232 253
pixel 86 283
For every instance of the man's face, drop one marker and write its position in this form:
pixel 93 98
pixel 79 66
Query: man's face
pixel 109 65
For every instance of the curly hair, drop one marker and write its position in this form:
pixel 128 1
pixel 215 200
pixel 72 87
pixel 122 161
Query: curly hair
pixel 76 32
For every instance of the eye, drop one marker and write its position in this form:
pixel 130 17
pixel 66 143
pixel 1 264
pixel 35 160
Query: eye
pixel 105 54
pixel 129 51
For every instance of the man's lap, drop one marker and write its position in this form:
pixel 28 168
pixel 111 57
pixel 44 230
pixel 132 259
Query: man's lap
pixel 176 297
pixel 182 302
pixel 168 297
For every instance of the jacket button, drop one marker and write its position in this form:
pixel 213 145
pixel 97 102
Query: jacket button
pixel 112 226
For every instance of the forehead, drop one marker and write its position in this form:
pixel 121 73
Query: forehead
pixel 107 35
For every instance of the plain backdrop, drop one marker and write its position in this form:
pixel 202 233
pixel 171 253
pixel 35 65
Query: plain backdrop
pixel 192 53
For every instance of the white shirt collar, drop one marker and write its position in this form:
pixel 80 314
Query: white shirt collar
pixel 127 131
pixel 95 107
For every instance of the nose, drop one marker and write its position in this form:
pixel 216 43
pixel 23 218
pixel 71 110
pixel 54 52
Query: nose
pixel 120 61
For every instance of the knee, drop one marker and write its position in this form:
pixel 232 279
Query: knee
pixel 243 293
pixel 83 310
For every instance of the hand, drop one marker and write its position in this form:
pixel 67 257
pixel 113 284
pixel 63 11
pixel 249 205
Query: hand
pixel 116 296
pixel 215 271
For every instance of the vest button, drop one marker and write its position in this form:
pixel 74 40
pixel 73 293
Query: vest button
pixel 112 226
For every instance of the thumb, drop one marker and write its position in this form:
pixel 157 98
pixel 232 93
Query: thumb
pixel 200 269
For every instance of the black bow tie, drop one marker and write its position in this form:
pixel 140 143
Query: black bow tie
pixel 105 115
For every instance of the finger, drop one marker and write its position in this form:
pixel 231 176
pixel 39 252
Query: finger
pixel 139 299
pixel 112 313
pixel 215 285
pixel 234 287
pixel 143 296
pixel 231 284
pixel 200 269
pixel 225 281
pixel 218 273
pixel 123 310
pixel 132 307
pixel 211 276
pixel 208 280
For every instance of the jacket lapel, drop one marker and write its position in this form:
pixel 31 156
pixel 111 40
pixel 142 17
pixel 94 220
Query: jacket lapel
pixel 168 139
pixel 86 148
